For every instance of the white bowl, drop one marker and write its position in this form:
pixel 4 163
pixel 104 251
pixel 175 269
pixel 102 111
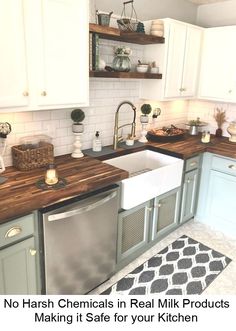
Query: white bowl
pixel 142 68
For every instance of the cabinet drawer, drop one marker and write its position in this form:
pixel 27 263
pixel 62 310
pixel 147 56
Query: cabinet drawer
pixel 17 229
pixel 193 163
pixel 224 165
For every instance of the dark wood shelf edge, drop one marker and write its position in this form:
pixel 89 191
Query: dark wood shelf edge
pixel 127 75
pixel 130 37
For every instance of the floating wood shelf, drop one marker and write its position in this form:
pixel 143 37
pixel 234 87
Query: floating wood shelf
pixel 131 75
pixel 129 37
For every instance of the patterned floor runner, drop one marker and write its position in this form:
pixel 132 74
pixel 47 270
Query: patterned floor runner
pixel 184 267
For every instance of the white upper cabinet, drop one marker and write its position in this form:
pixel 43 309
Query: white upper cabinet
pixel 218 69
pixel 178 60
pixel 13 70
pixel 53 44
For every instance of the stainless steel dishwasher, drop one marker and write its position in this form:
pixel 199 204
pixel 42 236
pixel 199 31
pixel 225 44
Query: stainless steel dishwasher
pixel 79 243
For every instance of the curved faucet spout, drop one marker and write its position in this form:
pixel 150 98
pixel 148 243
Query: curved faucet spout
pixel 116 137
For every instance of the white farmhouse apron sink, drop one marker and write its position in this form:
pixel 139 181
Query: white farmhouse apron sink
pixel 150 174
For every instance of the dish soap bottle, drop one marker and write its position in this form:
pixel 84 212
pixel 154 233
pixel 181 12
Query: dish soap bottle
pixel 97 143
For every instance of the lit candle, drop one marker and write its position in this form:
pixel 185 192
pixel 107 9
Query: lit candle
pixel 51 177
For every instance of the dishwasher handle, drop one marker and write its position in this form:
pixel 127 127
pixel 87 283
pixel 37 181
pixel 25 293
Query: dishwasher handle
pixel 67 214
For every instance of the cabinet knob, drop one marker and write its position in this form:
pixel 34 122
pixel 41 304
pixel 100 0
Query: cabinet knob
pixel 12 232
pixel 188 180
pixel 230 91
pixel 181 89
pixel 25 93
pixel 149 209
pixel 43 93
pixel 184 89
pixel 33 252
pixel 232 167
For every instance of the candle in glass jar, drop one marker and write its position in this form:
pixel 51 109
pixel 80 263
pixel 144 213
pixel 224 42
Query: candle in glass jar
pixel 51 177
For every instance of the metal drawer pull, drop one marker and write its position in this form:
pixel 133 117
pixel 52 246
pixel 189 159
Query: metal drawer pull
pixel 25 93
pixel 12 232
pixel 158 205
pixel 33 252
pixel 149 208
pixel 188 180
pixel 43 93
pixel 232 166
pixel 192 164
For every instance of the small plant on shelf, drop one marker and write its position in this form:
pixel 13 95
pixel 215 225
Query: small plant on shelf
pixel 220 118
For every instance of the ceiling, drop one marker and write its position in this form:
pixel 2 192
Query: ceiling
pixel 203 2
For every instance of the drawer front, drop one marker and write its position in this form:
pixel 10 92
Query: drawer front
pixel 193 163
pixel 224 165
pixel 17 229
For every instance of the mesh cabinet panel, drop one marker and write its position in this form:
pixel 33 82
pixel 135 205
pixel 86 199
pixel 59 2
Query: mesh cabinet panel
pixel 166 212
pixel 133 229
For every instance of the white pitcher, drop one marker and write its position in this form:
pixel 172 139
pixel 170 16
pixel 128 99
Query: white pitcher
pixel 2 167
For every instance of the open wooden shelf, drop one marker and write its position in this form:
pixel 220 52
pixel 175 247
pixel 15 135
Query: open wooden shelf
pixel 106 32
pixel 131 75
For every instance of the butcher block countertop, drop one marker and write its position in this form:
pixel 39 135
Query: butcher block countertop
pixel 19 195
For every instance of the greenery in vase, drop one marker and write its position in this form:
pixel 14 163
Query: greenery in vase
pixel 196 122
pixel 77 115
pixel 146 109
pixel 123 51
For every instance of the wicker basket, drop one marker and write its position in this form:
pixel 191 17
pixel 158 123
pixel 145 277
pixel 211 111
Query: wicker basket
pixel 28 159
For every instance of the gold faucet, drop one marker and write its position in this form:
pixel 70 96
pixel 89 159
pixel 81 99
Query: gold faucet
pixel 116 137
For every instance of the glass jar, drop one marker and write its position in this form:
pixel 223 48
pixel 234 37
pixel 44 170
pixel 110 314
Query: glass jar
pixel 121 63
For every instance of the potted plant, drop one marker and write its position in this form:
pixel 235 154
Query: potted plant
pixel 145 110
pixel 194 126
pixel 77 116
pixel 220 119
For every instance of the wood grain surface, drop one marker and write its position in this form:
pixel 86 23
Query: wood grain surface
pixel 19 194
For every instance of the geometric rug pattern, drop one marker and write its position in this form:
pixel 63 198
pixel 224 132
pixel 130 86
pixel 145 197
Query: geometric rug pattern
pixel 184 267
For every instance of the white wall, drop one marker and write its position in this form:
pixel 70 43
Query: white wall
pixel 217 14
pixel 150 9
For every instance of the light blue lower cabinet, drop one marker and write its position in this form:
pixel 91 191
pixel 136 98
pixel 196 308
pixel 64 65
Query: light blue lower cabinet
pixel 19 256
pixel 189 195
pixel 141 227
pixel 220 207
pixel 216 203
pixel 18 268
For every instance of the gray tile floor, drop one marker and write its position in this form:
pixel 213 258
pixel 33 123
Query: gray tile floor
pixel 225 283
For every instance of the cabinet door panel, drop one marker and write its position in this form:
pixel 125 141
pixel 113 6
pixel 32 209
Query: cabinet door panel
pixel 65 43
pixel 191 62
pixel 166 212
pixel 221 202
pixel 189 196
pixel 175 60
pixel 132 230
pixel 18 269
pixel 13 73
pixel 218 70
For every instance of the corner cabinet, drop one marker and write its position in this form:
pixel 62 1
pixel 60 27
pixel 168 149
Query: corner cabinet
pixel 218 68
pixel 217 204
pixel 50 39
pixel 19 257
pixel 178 59
pixel 139 228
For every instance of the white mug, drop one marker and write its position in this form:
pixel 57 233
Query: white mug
pixel 2 167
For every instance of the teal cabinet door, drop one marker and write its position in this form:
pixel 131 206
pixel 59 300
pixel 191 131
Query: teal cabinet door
pixel 133 231
pixel 18 268
pixel 220 206
pixel 189 195
pixel 165 212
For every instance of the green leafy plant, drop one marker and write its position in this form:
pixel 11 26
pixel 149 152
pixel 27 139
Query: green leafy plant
pixel 77 115
pixel 146 109
pixel 196 122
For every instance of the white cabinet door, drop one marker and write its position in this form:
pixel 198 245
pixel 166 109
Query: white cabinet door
pixel 191 62
pixel 183 60
pixel 13 72
pixel 218 69
pixel 64 61
pixel 175 60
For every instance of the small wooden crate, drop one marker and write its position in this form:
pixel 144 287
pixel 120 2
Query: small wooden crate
pixel 28 159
